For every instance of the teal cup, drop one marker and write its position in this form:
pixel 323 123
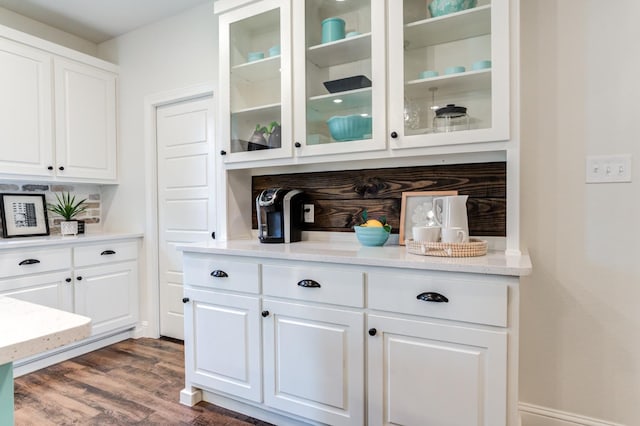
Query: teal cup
pixel 428 74
pixel 332 29
pixel 481 65
pixel 274 51
pixel 255 56
pixel 454 70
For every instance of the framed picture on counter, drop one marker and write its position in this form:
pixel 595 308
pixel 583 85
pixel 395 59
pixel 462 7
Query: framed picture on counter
pixel 23 215
pixel 417 210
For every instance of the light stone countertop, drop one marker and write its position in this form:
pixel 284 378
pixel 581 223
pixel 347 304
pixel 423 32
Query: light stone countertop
pixel 27 329
pixel 392 256
pixel 57 240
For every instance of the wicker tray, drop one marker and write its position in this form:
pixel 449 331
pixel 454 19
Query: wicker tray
pixel 473 248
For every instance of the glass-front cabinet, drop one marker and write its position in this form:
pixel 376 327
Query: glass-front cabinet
pixel 448 73
pixel 339 76
pixel 313 79
pixel 255 81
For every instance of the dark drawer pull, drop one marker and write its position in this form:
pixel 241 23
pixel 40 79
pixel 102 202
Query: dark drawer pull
pixel 309 284
pixel 106 252
pixel 265 314
pixel 432 297
pixel 185 300
pixel 28 262
pixel 219 274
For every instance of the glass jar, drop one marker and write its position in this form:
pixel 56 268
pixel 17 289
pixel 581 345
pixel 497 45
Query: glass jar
pixel 451 118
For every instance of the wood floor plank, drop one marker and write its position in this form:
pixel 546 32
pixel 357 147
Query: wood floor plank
pixel 134 382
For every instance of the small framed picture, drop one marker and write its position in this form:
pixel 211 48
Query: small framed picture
pixel 23 215
pixel 417 210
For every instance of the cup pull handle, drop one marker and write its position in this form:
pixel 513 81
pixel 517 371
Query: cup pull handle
pixel 309 284
pixel 219 274
pixel 28 262
pixel 432 297
pixel 107 252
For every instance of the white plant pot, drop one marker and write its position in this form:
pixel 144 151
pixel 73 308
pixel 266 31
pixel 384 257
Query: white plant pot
pixel 69 227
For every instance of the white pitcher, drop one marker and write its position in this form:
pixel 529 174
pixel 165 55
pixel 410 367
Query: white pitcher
pixel 451 212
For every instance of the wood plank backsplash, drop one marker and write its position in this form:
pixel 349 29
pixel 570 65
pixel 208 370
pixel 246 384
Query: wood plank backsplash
pixel 339 197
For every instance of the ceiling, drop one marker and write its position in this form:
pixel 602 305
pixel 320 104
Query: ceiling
pixel 98 20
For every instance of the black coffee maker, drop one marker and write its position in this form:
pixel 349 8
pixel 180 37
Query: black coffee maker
pixel 280 215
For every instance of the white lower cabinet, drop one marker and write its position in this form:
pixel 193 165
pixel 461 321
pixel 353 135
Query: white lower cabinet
pixel 424 373
pixel 222 342
pixel 341 344
pixel 98 280
pixel 314 362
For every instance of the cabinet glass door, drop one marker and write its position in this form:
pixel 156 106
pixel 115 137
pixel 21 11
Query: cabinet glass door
pixel 458 58
pixel 255 81
pixel 339 76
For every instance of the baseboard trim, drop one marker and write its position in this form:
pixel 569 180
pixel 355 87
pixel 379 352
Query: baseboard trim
pixel 534 415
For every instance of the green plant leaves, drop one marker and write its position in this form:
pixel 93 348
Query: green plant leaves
pixel 67 207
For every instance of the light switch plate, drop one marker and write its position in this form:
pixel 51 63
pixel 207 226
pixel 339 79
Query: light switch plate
pixel 608 168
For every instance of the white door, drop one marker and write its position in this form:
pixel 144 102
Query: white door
pixel 85 113
pixel 25 110
pixel 423 373
pixel 186 212
pixel 314 362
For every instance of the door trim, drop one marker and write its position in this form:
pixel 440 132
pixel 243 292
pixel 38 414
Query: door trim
pixel 150 319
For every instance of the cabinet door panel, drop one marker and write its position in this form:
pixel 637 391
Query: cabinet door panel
pixel 25 109
pixel 108 295
pixel 50 290
pixel 222 343
pixel 85 121
pixel 427 373
pixel 314 362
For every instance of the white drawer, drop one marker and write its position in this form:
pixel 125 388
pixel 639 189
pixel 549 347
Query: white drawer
pixel 315 284
pixel 470 300
pixel 106 252
pixel 34 261
pixel 207 270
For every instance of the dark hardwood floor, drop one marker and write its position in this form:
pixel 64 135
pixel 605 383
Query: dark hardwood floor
pixel 134 382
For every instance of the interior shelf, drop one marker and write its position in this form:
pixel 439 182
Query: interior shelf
pixel 443 29
pixel 262 109
pixel 341 51
pixel 455 83
pixel 256 71
pixel 350 99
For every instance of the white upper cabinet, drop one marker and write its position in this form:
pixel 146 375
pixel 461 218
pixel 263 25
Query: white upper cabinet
pixel 339 78
pixel 58 114
pixel 469 51
pixel 85 121
pixel 362 79
pixel 26 131
pixel 255 81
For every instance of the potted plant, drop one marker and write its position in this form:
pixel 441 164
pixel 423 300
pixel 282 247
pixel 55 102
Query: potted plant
pixel 68 208
pixel 267 136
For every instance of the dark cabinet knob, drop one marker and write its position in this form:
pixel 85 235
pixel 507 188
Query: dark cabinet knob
pixel 372 332
pixel 394 135
pixel 185 300
pixel 223 152
pixel 213 235
pixel 68 280
pixel 432 297
pixel 28 262
pixel 79 278
pixel 50 168
pixel 219 274
pixel 309 284
pixel 61 168
pixel 265 314
pixel 297 144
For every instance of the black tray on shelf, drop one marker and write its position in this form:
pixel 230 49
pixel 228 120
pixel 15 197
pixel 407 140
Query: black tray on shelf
pixel 349 83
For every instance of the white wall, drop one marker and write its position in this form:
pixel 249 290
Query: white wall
pixel 580 344
pixel 38 29
pixel 177 52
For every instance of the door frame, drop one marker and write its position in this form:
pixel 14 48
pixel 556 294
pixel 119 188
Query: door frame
pixel 150 326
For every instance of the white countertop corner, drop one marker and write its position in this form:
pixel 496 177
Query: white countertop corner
pixel 27 329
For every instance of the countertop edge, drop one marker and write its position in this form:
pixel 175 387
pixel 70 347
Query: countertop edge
pixel 26 242
pixel 494 263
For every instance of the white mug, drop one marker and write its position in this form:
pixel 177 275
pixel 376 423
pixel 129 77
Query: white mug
pixel 426 233
pixel 454 235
